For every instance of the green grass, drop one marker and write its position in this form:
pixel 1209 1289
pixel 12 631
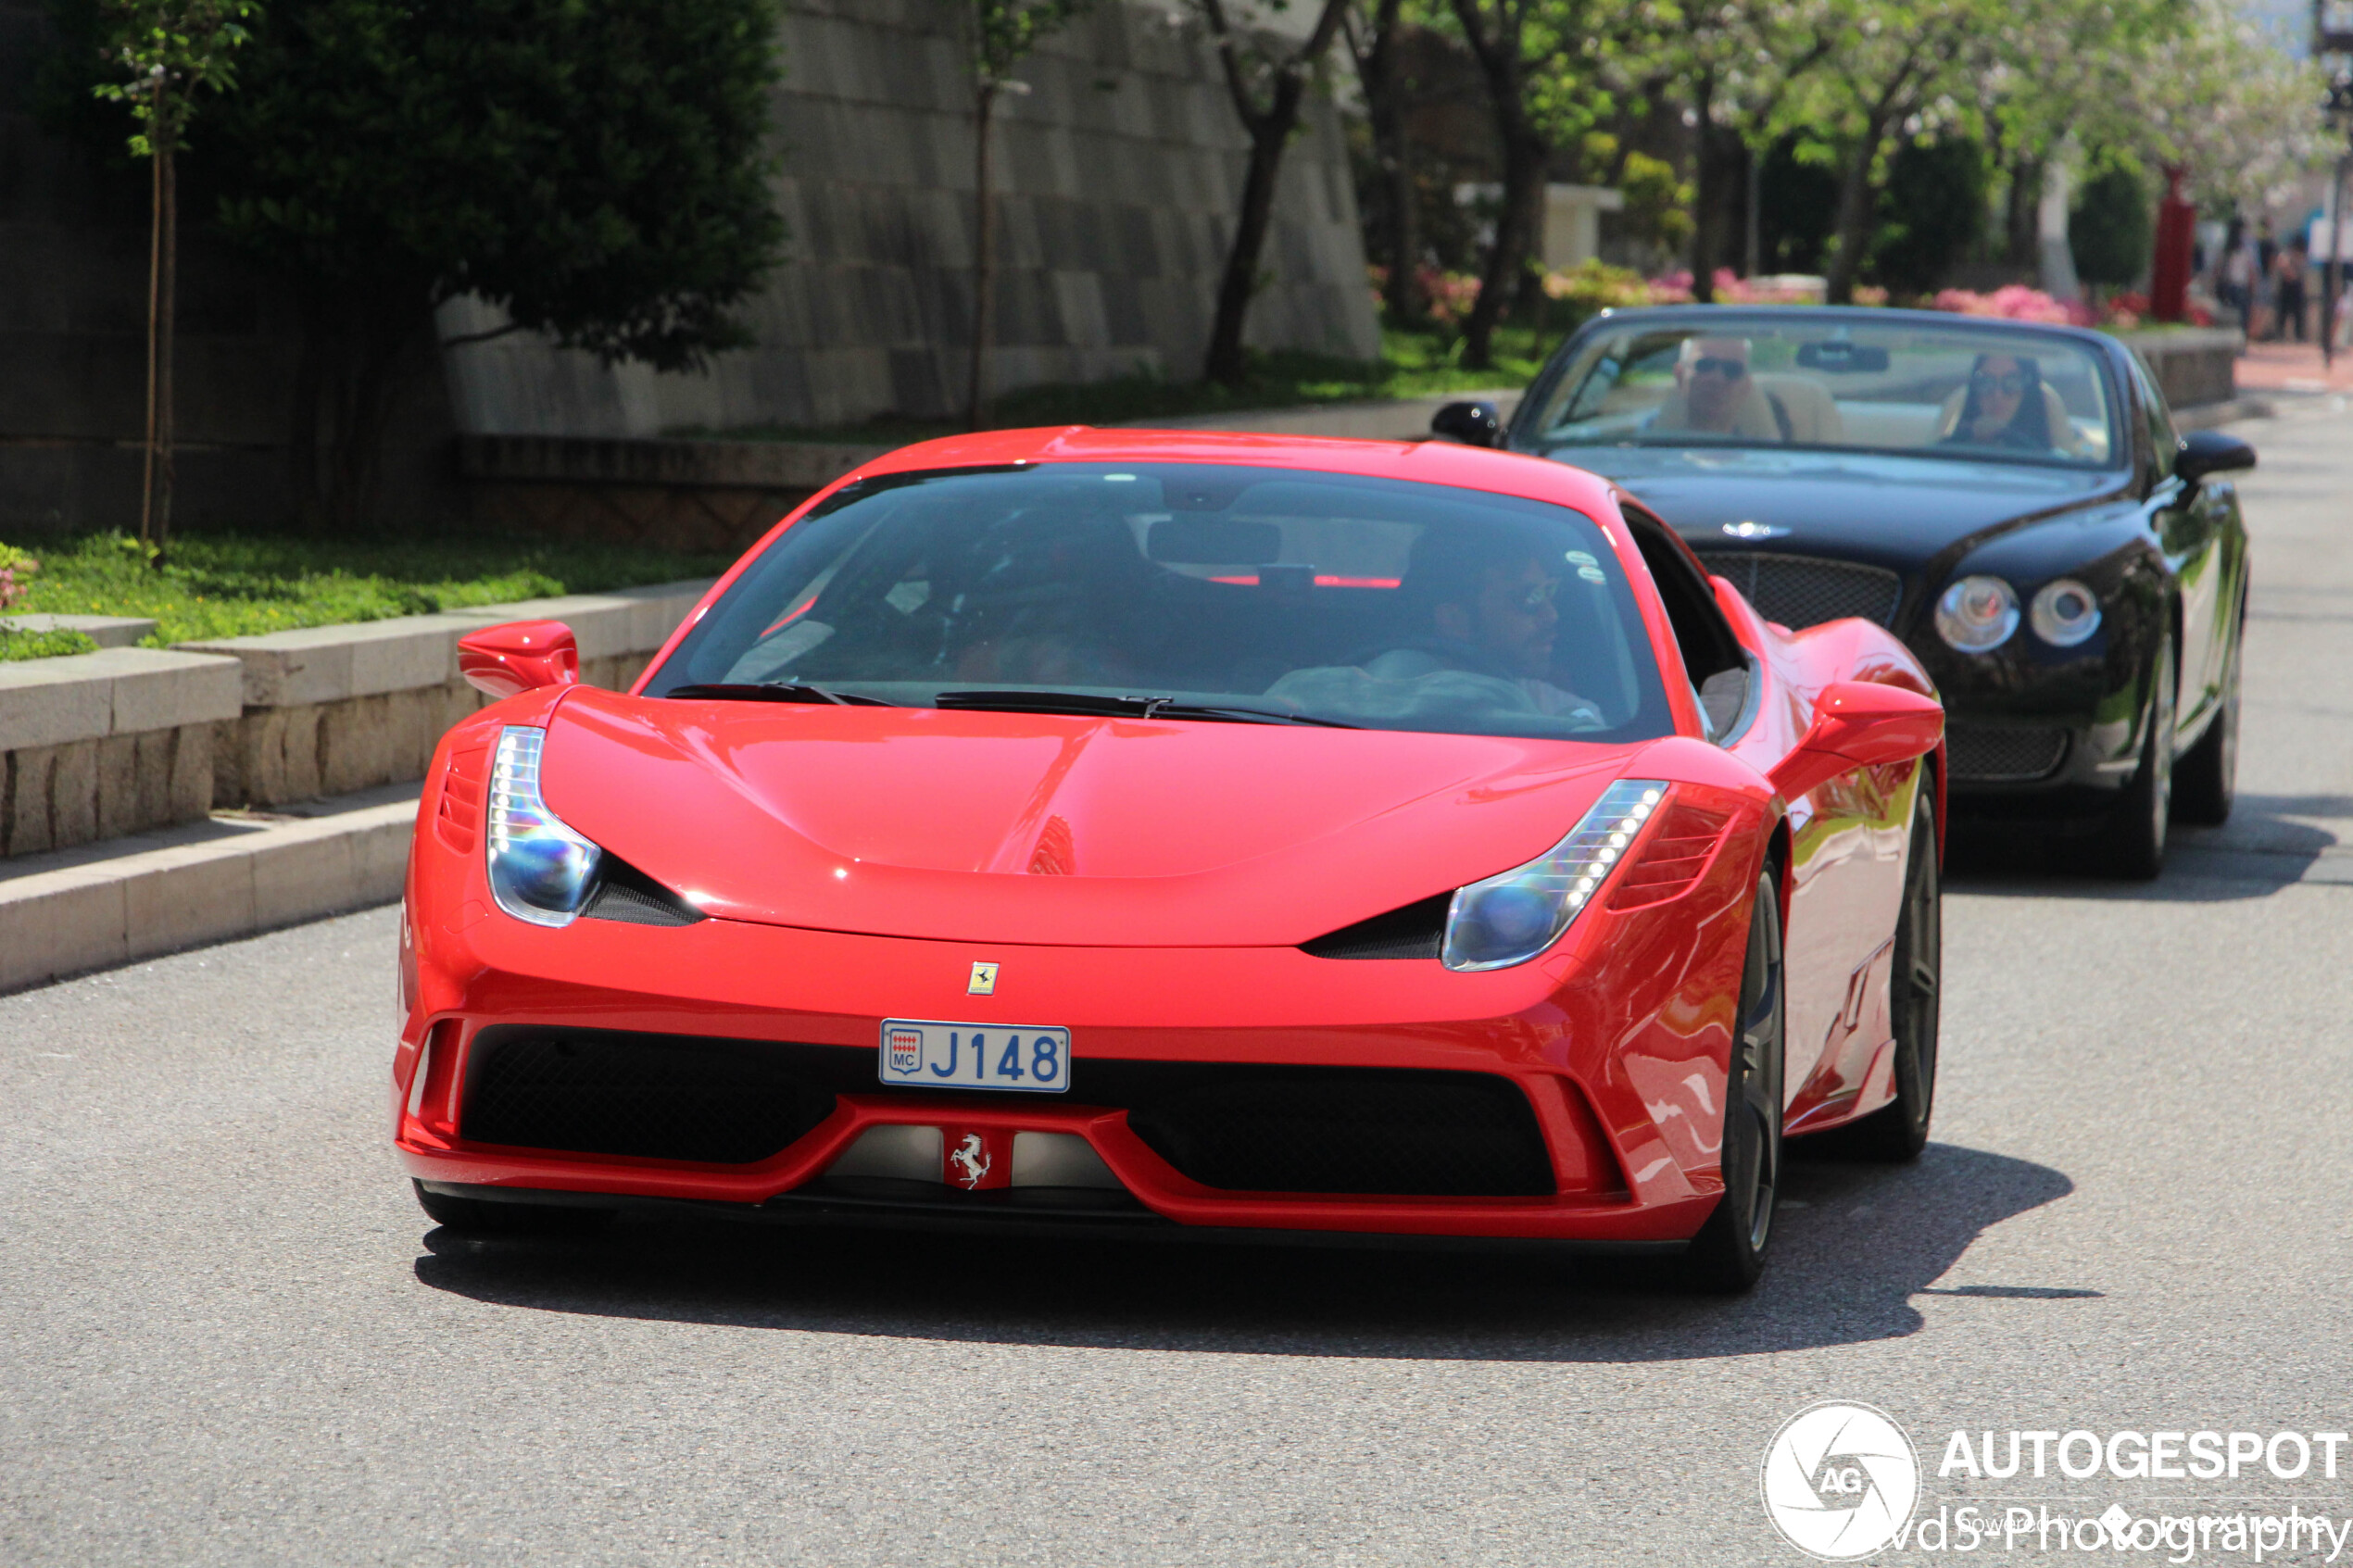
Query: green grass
pixel 236 585
pixel 1413 364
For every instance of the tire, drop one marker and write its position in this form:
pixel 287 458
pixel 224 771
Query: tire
pixel 2206 780
pixel 1729 1253
pixel 2132 844
pixel 1898 1131
pixel 480 1217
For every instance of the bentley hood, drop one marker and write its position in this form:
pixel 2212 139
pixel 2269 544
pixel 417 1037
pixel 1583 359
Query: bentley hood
pixel 1022 828
pixel 1891 509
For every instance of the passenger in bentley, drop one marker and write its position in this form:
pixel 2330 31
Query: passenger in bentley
pixel 2006 405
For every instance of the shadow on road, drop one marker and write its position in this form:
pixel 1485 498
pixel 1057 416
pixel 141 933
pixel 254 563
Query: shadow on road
pixel 2270 843
pixel 1858 1243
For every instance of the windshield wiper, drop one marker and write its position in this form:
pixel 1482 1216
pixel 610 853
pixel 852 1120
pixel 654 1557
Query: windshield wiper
pixel 1091 705
pixel 776 691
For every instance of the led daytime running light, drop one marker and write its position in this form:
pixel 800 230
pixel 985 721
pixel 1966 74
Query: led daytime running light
pixel 540 869
pixel 1509 919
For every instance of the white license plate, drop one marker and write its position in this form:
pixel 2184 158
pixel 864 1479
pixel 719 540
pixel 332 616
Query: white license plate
pixel 976 1055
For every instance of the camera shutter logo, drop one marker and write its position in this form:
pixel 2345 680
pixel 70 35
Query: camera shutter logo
pixel 1840 1480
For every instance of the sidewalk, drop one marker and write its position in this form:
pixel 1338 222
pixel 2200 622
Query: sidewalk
pixel 238 872
pixel 2292 368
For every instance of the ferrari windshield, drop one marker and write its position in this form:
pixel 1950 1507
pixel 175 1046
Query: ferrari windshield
pixel 1172 591
pixel 1751 380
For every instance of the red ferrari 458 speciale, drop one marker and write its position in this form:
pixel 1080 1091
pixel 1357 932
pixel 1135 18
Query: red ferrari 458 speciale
pixel 1087 829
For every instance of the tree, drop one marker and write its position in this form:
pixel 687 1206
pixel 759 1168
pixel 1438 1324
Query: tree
pixel 593 170
pixel 1267 82
pixel 1931 213
pixel 1003 32
pixel 2110 230
pixel 168 50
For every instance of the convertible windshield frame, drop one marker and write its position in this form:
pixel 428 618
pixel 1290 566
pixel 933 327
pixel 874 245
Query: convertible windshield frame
pixel 1575 361
pixel 1182 591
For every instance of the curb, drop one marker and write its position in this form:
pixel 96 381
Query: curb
pixel 70 912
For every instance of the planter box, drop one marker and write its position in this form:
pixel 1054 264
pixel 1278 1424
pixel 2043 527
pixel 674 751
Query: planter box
pixel 95 745
pixel 2192 365
pixel 331 710
pixel 98 745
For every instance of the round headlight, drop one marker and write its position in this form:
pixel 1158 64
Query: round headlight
pixel 1977 614
pixel 2064 613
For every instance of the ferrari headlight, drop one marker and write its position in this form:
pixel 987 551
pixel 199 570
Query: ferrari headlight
pixel 2064 613
pixel 540 869
pixel 1977 614
pixel 1511 917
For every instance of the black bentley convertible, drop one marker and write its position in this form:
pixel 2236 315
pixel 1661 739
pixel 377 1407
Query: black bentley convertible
pixel 2012 500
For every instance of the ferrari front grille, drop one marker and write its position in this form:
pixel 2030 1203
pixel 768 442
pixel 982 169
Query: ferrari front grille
pixel 1396 1134
pixel 652 1096
pixel 1801 591
pixel 1982 755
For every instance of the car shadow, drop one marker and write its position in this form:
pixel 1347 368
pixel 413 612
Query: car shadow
pixel 2270 842
pixel 1858 1243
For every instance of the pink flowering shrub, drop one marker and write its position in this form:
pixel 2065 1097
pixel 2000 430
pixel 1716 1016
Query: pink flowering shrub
pixel 2014 302
pixel 15 567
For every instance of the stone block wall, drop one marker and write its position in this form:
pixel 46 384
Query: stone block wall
pixel 1117 179
pixel 99 744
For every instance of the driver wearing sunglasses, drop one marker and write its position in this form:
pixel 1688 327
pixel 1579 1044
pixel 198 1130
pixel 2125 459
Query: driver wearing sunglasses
pixel 1715 395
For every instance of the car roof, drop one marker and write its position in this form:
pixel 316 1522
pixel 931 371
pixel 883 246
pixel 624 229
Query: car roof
pixel 1426 462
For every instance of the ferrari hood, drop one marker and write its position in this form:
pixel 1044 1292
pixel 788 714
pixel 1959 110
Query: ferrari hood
pixel 1890 508
pixel 1025 828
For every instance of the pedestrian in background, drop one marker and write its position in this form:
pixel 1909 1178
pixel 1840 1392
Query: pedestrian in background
pixel 2287 287
pixel 2235 275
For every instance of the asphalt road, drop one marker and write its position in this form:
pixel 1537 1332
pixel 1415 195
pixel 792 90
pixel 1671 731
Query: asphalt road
pixel 227 1336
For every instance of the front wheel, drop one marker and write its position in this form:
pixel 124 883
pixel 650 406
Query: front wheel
pixel 1729 1253
pixel 2206 781
pixel 2133 844
pixel 1899 1129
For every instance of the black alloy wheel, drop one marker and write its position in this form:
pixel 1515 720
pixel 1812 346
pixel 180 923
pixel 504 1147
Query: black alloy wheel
pixel 1899 1129
pixel 2132 845
pixel 1729 1253
pixel 476 1216
pixel 2206 782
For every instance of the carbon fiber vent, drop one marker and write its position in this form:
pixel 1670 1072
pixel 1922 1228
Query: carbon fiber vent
pixel 1417 931
pixel 1801 591
pixel 625 893
pixel 1424 1135
pixel 653 1096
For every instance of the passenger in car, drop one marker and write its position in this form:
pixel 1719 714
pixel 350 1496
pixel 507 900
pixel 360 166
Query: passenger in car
pixel 2007 404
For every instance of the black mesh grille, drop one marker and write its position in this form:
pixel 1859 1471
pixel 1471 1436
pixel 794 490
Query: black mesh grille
pixel 1992 755
pixel 1799 591
pixel 655 1096
pixel 1417 931
pixel 1425 1135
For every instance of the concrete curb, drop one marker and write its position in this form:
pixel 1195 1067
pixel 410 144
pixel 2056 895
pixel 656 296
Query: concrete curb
pixel 69 912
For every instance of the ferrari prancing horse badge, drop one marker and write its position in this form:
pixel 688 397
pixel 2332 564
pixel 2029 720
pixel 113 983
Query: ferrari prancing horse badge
pixel 984 981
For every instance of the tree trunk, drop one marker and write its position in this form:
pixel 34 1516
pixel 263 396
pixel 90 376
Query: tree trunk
pixel 977 390
pixel 1853 231
pixel 345 386
pixel 167 311
pixel 2023 234
pixel 1524 154
pixel 1702 194
pixel 1228 363
pixel 1393 153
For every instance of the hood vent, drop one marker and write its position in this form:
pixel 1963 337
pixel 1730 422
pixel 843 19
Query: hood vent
pixel 625 894
pixel 1417 931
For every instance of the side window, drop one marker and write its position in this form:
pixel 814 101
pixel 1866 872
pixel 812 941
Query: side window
pixel 2164 440
pixel 1712 654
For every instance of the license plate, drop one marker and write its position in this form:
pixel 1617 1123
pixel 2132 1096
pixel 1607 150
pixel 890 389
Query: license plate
pixel 976 1055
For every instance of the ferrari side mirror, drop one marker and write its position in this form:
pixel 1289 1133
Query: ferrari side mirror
pixel 519 657
pixel 2210 451
pixel 1473 424
pixel 1859 724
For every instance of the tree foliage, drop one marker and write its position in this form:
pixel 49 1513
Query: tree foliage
pixel 2109 231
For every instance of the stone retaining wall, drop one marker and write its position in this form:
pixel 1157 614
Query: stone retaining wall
pixel 97 745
